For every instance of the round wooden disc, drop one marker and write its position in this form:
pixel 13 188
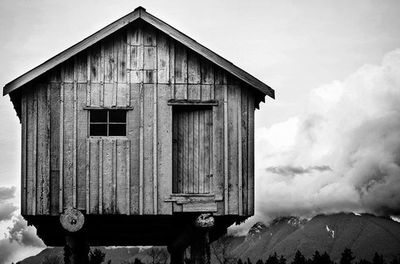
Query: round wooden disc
pixel 72 220
pixel 205 220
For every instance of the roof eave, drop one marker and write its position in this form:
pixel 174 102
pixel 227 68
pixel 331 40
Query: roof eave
pixel 120 23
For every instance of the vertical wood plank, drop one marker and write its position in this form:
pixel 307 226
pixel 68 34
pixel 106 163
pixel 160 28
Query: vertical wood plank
pixel 196 152
pixel 164 152
pixel 149 35
pixel 110 68
pixel 121 179
pixel 95 91
pixel 88 87
pixel 123 95
pixel 181 91
pixel 24 138
pixel 155 156
pixel 194 92
pixel 75 144
pixel 207 72
pixel 218 144
pixel 108 173
pixel 244 128
pixel 81 67
pixel 87 180
pixel 181 151
pixel 240 155
pixel 82 134
pixel 127 176
pixel 135 129
pixel 172 63
pixel 136 64
pixel 190 161
pixel 148 187
pixel 226 172
pixel 202 151
pixel 121 47
pixel 194 69
pixel 31 157
pixel 180 64
pixel 141 151
pixel 206 92
pixel 68 145
pixel 94 174
pixel 233 148
pixel 43 147
pixel 95 63
pixel 207 148
pixel 109 91
pixel 250 166
pixel 54 146
pixel 61 159
pixel 162 59
pixel 101 175
pixel 186 152
pixel 175 156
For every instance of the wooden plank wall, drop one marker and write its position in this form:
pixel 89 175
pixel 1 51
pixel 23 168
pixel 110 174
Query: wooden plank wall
pixel 141 69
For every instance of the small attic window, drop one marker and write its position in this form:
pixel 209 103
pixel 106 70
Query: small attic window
pixel 107 122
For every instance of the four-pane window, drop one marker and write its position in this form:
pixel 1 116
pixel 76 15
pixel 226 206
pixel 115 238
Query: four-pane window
pixel 106 122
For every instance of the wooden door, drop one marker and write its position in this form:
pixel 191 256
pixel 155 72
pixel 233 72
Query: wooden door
pixel 192 150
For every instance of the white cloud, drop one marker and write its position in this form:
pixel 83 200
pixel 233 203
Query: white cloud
pixel 350 126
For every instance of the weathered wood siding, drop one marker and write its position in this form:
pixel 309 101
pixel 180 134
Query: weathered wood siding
pixel 140 69
pixel 192 151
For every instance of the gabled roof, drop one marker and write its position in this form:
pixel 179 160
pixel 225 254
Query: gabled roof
pixel 139 13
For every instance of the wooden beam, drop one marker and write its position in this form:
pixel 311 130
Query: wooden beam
pixel 226 176
pixel 61 190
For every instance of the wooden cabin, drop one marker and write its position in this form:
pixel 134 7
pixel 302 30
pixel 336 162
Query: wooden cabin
pixel 138 127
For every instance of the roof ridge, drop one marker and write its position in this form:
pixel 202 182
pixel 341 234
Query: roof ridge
pixel 138 13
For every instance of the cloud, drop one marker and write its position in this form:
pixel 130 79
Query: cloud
pixel 294 170
pixel 6 211
pixel 6 208
pixel 23 234
pixel 352 127
pixel 20 242
pixel 7 193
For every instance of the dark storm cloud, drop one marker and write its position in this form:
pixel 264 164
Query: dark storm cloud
pixel 295 170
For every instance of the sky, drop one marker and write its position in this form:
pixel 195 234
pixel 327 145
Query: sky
pixel 329 142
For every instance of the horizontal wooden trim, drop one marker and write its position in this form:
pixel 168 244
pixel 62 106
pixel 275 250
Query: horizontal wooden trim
pixel 202 206
pixel 193 102
pixel 108 137
pixel 184 198
pixel 108 108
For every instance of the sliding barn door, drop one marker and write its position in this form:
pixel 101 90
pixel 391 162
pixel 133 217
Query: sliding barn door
pixel 192 150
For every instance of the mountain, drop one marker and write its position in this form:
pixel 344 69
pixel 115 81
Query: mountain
pixel 364 234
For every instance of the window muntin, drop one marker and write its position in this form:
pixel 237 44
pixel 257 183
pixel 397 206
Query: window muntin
pixel 107 122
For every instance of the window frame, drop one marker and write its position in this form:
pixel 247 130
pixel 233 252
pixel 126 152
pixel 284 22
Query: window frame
pixel 107 123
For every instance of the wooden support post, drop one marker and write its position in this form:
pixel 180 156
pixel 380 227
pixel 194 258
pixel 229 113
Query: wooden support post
pixel 76 250
pixel 176 255
pixel 200 247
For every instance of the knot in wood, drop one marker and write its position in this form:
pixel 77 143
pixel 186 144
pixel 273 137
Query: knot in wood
pixel 72 220
pixel 205 220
